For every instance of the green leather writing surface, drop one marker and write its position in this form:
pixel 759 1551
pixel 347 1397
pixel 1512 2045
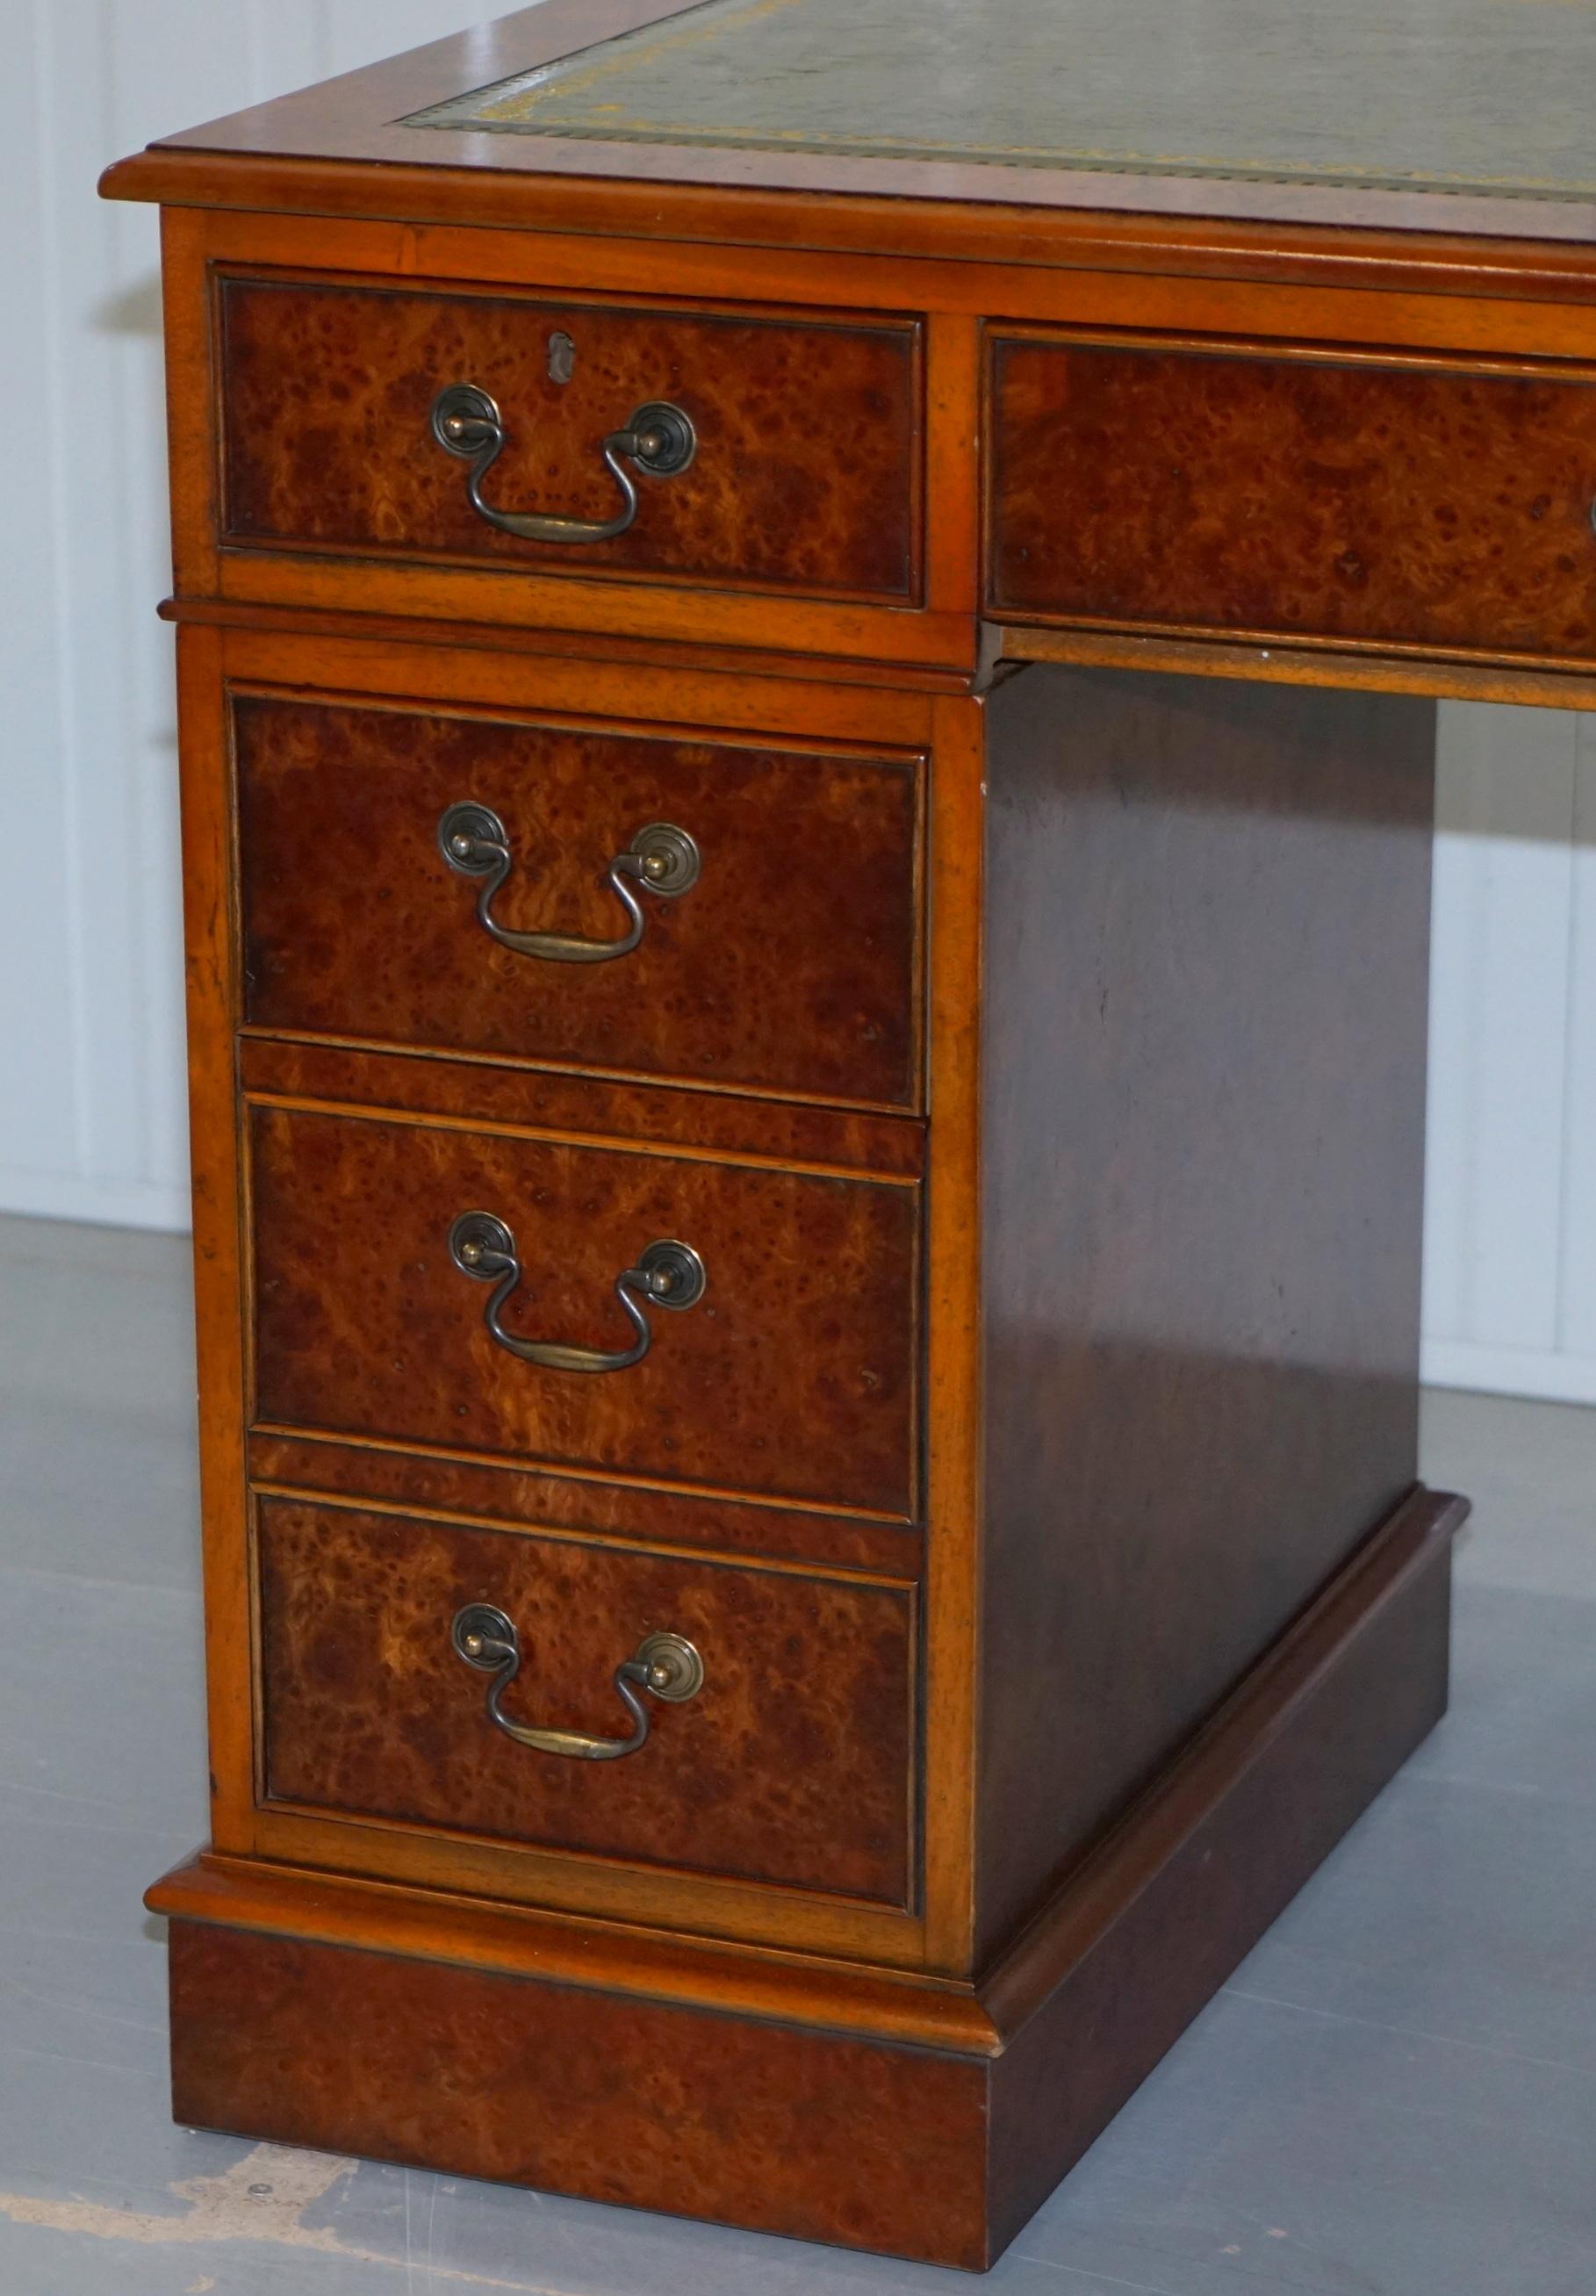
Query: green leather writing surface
pixel 1431 94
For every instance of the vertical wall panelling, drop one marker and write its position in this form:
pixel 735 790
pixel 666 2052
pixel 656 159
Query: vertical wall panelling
pixel 288 44
pixel 91 1048
pixel 91 1111
pixel 1512 1135
pixel 1456 954
pixel 1577 1326
pixel 39 1094
pixel 358 31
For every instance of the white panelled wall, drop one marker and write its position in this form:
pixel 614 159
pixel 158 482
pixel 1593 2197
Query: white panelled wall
pixel 1509 1257
pixel 91 1107
pixel 91 1059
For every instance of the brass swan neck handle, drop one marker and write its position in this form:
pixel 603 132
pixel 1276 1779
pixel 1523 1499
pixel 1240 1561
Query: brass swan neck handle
pixel 660 857
pixel 657 437
pixel 666 1665
pixel 667 1274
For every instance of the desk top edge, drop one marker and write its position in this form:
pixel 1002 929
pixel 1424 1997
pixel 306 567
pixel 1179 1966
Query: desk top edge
pixel 382 120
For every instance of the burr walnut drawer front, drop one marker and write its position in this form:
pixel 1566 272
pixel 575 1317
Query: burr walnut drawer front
pixel 735 1327
pixel 753 450
pixel 734 1720
pixel 740 914
pixel 1342 499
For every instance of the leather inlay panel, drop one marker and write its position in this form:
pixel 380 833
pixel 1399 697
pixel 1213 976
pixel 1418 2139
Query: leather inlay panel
pixel 790 965
pixel 1316 499
pixel 793 1376
pixel 791 1764
pixel 804 478
pixel 1360 93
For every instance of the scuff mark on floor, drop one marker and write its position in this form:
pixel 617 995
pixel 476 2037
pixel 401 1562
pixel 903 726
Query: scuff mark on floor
pixel 262 2197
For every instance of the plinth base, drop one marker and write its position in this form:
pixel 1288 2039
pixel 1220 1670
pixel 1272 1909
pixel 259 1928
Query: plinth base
pixel 920 2117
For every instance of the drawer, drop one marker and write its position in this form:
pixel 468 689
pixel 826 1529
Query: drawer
pixel 1325 498
pixel 799 455
pixel 792 1375
pixel 791 1764
pixel 789 963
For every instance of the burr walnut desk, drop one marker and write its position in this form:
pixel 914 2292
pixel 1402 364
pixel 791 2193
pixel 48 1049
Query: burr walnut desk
pixel 807 636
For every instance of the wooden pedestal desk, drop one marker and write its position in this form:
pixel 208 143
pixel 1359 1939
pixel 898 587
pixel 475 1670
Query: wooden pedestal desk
pixel 807 699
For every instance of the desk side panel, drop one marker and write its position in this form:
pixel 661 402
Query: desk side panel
pixel 1205 1006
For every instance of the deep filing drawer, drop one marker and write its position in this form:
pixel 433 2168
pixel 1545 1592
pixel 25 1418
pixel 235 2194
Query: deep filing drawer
pixel 728 913
pixel 789 1761
pixel 786 1369
pixel 753 451
pixel 1347 499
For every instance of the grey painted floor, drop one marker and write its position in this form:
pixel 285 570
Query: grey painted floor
pixel 1396 2097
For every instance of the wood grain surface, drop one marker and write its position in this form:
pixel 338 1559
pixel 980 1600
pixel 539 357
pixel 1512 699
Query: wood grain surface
pixel 790 964
pixel 1209 491
pixel 805 477
pixel 1205 1001
pixel 577 1103
pixel 793 1764
pixel 820 2135
pixel 793 1377
pixel 499 1494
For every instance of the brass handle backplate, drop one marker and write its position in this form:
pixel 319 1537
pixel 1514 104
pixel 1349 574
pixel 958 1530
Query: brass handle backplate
pixel 659 438
pixel 662 858
pixel 666 1665
pixel 668 1274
